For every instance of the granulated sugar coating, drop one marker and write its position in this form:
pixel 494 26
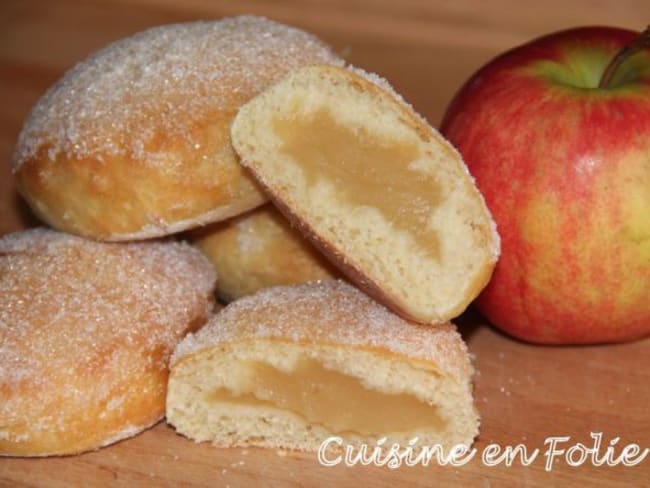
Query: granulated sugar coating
pixel 162 82
pixel 86 331
pixel 134 142
pixel 329 312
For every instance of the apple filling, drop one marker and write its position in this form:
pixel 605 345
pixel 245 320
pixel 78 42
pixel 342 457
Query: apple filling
pixel 367 169
pixel 338 402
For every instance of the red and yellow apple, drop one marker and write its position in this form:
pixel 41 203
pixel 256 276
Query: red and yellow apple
pixel 557 135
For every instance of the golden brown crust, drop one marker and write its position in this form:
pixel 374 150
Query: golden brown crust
pixel 102 203
pixel 87 329
pixel 257 250
pixel 134 141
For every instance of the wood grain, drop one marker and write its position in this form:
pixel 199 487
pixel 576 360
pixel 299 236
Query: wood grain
pixel 426 49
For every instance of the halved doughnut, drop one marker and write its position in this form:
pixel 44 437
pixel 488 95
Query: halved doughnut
pixel 377 189
pixel 290 366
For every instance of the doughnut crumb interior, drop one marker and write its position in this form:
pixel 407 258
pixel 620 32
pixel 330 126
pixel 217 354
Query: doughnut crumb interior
pixel 290 366
pixel 377 189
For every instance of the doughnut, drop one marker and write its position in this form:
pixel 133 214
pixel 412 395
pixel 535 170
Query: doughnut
pixel 86 331
pixel 257 250
pixel 373 186
pixel 133 142
pixel 291 366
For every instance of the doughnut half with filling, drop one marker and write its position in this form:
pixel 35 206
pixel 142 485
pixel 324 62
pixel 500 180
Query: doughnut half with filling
pixel 377 189
pixel 291 366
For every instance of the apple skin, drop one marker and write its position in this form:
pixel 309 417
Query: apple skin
pixel 565 170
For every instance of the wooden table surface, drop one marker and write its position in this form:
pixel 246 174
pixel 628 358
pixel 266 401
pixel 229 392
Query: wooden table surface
pixel 524 393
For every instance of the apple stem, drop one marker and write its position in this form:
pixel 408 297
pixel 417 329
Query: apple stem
pixel 642 41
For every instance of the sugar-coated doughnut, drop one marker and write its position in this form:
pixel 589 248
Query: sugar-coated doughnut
pixel 134 142
pixel 373 186
pixel 86 331
pixel 290 366
pixel 257 250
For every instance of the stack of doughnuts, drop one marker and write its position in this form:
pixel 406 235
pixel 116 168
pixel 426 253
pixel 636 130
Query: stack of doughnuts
pixel 132 143
pixel 204 123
